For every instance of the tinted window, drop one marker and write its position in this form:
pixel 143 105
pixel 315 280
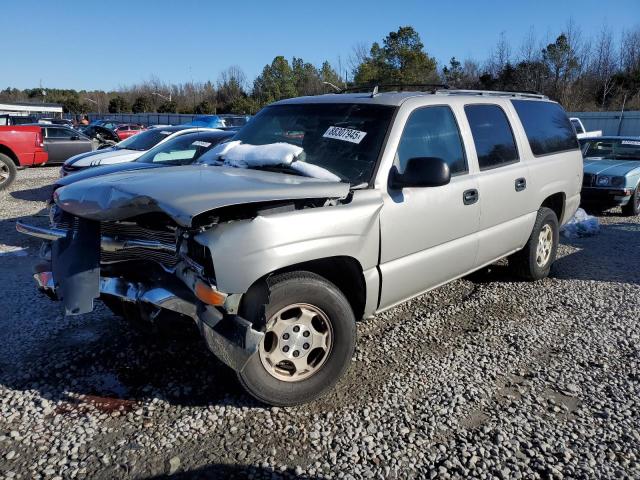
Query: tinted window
pixel 547 126
pixel 492 135
pixel 432 132
pixel 53 132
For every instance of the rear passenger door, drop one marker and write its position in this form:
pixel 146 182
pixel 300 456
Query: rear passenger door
pixel 503 186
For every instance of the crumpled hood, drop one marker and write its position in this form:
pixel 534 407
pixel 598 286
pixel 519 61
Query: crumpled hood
pixel 106 156
pixel 603 166
pixel 186 191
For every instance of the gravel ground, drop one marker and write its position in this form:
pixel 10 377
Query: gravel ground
pixel 487 377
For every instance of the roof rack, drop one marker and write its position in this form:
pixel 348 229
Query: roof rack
pixel 493 93
pixel 374 88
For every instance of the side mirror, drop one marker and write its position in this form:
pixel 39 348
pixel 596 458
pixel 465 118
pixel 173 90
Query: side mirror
pixel 421 172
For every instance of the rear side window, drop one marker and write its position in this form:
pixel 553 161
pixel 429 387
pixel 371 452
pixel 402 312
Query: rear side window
pixel 432 132
pixel 547 127
pixel 492 136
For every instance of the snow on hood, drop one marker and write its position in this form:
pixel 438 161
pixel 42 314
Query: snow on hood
pixel 243 155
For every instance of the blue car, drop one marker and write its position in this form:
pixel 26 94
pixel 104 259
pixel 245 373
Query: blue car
pixel 612 173
pixel 220 121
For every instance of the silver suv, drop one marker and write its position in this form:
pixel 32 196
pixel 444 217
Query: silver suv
pixel 321 211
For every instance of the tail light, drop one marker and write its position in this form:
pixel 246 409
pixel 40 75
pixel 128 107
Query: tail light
pixel 39 139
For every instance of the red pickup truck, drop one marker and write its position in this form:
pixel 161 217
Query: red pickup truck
pixel 20 146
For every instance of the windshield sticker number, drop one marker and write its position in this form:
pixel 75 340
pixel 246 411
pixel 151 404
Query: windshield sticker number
pixel 199 143
pixel 344 134
pixel 631 142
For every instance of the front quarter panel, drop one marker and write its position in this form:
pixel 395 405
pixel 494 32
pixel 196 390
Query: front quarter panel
pixel 247 250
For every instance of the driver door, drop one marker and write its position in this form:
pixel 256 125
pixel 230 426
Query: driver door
pixel 429 234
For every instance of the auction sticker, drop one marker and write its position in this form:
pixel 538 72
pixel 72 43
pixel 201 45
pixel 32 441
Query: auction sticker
pixel 631 142
pixel 345 134
pixel 200 143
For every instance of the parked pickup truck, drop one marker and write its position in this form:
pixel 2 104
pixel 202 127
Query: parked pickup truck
pixel 581 132
pixel 320 211
pixel 20 146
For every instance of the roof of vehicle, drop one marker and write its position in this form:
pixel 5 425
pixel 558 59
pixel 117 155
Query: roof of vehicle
pixel 397 98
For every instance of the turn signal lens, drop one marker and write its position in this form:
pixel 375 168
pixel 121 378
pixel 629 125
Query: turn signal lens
pixel 209 295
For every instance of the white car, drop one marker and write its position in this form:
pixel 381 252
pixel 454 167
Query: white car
pixel 127 150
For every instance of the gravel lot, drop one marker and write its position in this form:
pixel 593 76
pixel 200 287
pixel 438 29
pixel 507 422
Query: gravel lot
pixel 488 377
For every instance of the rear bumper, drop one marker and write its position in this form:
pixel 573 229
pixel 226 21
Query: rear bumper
pixel 606 196
pixel 40 157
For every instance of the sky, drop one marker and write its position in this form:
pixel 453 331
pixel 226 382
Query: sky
pixel 104 45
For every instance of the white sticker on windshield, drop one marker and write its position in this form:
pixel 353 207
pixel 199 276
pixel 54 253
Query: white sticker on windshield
pixel 631 142
pixel 199 143
pixel 164 132
pixel 345 134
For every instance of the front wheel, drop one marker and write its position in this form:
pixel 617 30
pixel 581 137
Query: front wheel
pixel 633 207
pixel 534 261
pixel 309 340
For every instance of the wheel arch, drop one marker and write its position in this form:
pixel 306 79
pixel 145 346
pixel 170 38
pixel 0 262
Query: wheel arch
pixel 556 202
pixel 343 271
pixel 9 153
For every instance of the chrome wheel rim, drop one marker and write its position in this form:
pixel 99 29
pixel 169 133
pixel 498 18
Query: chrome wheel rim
pixel 545 245
pixel 4 173
pixel 297 342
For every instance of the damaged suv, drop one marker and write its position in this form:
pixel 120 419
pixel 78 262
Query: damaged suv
pixel 322 210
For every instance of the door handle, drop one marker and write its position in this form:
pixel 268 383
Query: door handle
pixel 521 184
pixel 469 197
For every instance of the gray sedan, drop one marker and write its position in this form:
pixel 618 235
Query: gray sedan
pixel 63 142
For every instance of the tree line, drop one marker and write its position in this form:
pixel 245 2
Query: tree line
pixel 601 72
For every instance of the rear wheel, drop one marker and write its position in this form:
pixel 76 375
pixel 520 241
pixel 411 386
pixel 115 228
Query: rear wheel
pixel 309 339
pixel 633 207
pixel 7 171
pixel 534 261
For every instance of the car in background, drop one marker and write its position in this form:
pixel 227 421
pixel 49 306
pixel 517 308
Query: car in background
pixel 612 174
pixel 106 123
pixel 20 146
pixel 16 119
pixel 180 150
pixel 62 142
pixel 125 151
pixel 56 121
pixel 219 121
pixel 127 130
pixel 103 137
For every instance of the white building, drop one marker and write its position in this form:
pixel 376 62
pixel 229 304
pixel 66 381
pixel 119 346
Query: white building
pixel 24 108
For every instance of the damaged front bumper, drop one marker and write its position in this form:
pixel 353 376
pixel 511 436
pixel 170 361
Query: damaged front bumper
pixel 230 337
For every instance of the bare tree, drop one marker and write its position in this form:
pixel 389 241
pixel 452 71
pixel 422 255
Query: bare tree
pixel 604 64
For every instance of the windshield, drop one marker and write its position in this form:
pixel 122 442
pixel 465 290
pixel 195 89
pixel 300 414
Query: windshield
pixel 614 149
pixel 181 150
pixel 343 138
pixel 146 140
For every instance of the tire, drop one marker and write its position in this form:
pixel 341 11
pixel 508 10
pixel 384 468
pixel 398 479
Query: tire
pixel 632 208
pixel 526 263
pixel 7 171
pixel 285 295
